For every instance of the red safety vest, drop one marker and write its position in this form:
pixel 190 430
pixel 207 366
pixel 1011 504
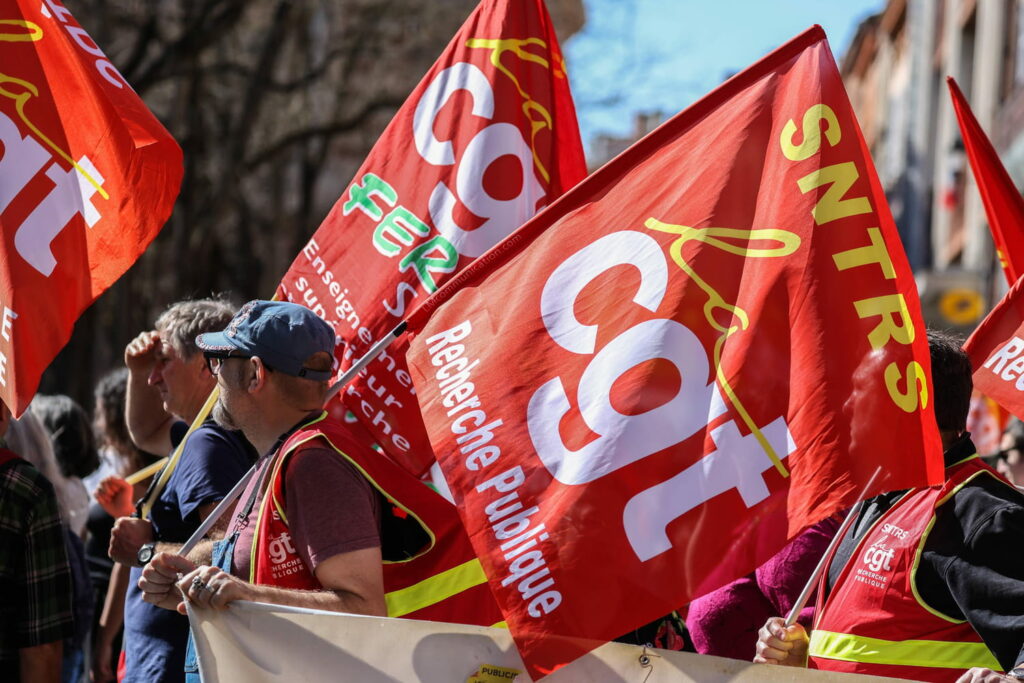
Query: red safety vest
pixel 441 580
pixel 874 620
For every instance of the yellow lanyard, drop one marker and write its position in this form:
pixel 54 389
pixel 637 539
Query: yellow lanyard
pixel 146 505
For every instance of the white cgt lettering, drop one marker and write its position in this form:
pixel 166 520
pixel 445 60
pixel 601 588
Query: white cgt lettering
pixel 501 216
pixel 645 433
pixel 627 247
pixel 459 76
pixel 624 439
pixel 738 461
pixel 71 195
pixel 21 159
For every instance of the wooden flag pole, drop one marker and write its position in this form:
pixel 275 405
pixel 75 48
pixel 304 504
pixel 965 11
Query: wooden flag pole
pixel 146 472
pixel 358 366
pixel 805 594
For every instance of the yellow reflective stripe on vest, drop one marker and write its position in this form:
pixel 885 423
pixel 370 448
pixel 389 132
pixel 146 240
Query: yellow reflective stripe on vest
pixel 435 589
pixel 925 653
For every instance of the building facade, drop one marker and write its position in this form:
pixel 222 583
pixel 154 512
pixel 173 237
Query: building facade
pixel 895 71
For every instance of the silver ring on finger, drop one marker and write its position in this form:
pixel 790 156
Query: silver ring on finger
pixel 198 584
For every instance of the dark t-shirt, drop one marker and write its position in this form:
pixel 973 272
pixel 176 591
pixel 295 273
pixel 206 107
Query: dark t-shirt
pixel 99 524
pixel 970 567
pixel 331 509
pixel 214 459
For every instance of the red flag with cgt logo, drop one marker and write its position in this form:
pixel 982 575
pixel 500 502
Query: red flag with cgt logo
pixel 996 349
pixel 486 139
pixel 707 345
pixel 88 176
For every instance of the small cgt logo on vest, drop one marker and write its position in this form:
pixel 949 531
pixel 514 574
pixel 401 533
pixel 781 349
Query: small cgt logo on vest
pixel 877 557
pixel 281 548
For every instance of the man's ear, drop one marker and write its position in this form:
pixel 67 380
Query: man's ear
pixel 259 375
pixel 204 369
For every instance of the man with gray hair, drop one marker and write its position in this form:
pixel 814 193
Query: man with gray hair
pixel 326 522
pixel 168 383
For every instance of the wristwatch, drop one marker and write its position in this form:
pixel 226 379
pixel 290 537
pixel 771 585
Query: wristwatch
pixel 146 553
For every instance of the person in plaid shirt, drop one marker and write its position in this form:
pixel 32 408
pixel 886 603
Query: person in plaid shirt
pixel 35 578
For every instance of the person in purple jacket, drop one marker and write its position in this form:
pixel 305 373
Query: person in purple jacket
pixel 725 622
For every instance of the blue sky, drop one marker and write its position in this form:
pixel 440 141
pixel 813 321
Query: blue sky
pixel 645 55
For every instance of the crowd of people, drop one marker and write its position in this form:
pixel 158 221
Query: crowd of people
pixel 57 612
pixel 94 572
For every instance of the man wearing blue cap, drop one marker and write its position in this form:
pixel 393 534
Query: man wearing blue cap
pixel 306 531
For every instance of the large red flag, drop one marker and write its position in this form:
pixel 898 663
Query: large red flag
pixel 996 350
pixel 707 345
pixel 487 138
pixel 1004 205
pixel 88 177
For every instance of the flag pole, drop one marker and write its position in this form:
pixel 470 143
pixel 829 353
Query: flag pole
pixel 358 366
pixel 146 472
pixel 235 492
pixel 218 511
pixel 805 594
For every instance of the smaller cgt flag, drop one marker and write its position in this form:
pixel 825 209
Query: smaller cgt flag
pixel 88 177
pixel 996 350
pixel 486 139
pixel 707 345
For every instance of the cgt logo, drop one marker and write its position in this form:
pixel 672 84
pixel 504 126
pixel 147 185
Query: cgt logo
pixel 69 192
pixel 623 438
pixel 281 548
pixel 878 558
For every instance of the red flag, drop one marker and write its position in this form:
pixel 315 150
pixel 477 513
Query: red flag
pixel 997 352
pixel 1004 205
pixel 707 345
pixel 487 138
pixel 986 421
pixel 88 177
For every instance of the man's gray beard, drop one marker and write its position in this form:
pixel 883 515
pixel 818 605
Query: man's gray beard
pixel 222 417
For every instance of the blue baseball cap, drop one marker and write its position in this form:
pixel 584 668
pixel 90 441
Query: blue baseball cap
pixel 284 335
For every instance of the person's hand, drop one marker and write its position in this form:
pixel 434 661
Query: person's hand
pixel 102 653
pixel 980 675
pixel 140 354
pixel 114 495
pixel 159 579
pixel 211 588
pixel 777 644
pixel 128 535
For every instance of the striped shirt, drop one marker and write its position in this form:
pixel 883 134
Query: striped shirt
pixel 35 579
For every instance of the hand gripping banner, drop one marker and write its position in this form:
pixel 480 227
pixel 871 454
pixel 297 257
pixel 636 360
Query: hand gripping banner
pixel 487 138
pixel 707 345
pixel 88 176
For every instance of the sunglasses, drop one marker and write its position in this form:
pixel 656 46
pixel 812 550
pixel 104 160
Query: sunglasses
pixel 215 360
pixel 1002 454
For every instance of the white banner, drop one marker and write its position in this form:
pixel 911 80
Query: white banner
pixel 257 642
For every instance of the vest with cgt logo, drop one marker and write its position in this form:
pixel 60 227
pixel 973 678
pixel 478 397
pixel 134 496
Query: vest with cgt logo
pixel 875 621
pixel 430 569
